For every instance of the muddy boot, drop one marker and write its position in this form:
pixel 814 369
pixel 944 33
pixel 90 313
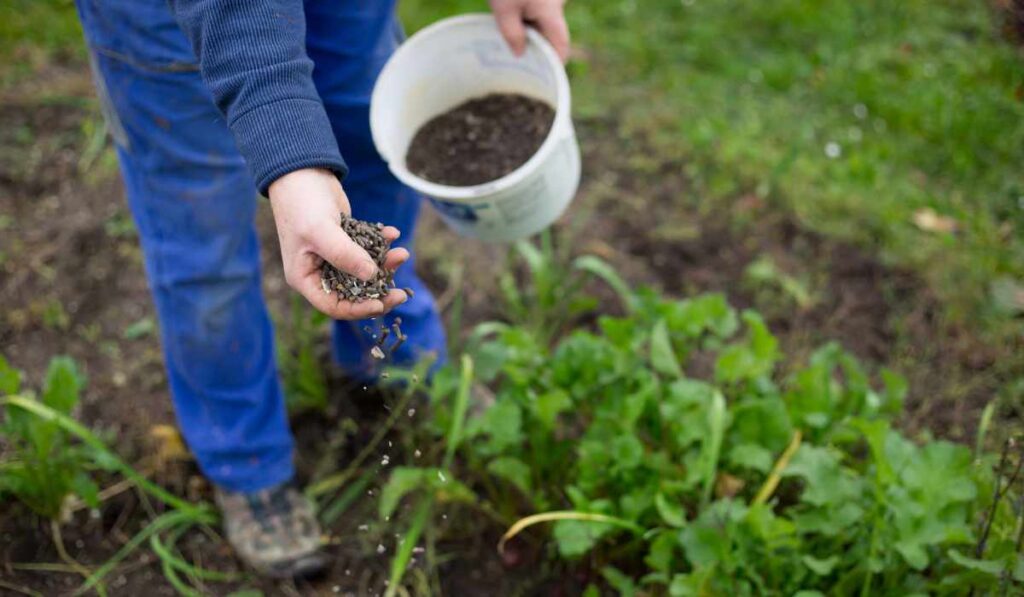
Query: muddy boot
pixel 274 531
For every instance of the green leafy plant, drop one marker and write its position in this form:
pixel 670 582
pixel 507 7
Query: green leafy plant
pixel 49 458
pixel 548 297
pixel 732 479
pixel 42 467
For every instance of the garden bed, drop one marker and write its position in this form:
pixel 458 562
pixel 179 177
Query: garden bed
pixel 73 284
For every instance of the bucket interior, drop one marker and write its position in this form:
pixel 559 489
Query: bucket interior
pixel 441 68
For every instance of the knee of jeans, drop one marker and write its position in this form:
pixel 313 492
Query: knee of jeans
pixel 218 332
pixel 208 311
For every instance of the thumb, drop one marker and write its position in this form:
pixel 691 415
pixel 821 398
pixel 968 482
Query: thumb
pixel 510 23
pixel 343 253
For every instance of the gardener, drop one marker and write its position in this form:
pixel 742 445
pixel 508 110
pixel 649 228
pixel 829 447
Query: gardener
pixel 210 101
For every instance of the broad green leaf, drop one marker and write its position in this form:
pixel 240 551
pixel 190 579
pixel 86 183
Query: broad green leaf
pixel 551 404
pixel 752 358
pixel 764 422
pixel 662 551
pixel 671 512
pixel 820 566
pixel 990 567
pixel 403 480
pixel 84 487
pixel 627 452
pixel 619 581
pixel 663 357
pixel 752 456
pixel 63 384
pixel 503 423
pixel 513 470
pixel 705 313
pixel 708 541
pixel 10 378
pixel 705 545
pixel 577 537
pixel 827 481
pixel 694 584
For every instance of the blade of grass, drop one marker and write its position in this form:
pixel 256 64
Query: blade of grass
pixel 166 554
pixel 162 522
pixel 529 521
pixel 412 536
pixel 775 475
pixel 454 436
pixel 601 269
pixel 983 425
pixel 713 444
pixel 332 511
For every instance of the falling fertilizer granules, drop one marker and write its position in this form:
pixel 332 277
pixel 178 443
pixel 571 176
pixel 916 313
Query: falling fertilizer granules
pixel 348 287
pixel 381 350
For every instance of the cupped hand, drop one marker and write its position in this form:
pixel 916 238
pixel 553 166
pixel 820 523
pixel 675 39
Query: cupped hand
pixel 547 15
pixel 307 205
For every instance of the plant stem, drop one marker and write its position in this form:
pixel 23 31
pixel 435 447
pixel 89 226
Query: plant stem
pixel 58 542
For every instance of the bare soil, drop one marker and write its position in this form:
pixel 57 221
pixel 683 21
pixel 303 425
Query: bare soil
pixel 71 282
pixel 480 140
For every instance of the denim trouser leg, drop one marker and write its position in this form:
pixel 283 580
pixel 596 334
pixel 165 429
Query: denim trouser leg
pixel 194 204
pixel 345 73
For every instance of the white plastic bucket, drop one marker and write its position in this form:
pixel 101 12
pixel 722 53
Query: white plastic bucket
pixel 455 60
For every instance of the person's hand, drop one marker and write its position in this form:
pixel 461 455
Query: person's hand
pixel 546 15
pixel 307 204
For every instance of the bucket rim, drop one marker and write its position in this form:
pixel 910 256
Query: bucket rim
pixel 561 127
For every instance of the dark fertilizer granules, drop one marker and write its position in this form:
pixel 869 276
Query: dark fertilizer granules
pixel 480 140
pixel 348 287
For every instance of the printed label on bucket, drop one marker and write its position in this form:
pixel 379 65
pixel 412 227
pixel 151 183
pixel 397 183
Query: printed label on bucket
pixel 459 211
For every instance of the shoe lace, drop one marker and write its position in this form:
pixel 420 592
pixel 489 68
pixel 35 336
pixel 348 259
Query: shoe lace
pixel 271 506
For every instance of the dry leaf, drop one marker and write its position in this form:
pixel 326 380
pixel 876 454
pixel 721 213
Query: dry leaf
pixel 169 445
pixel 728 486
pixel 927 219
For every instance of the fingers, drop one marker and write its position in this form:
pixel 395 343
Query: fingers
pixel 510 23
pixel 343 253
pixel 395 258
pixel 329 305
pixel 552 25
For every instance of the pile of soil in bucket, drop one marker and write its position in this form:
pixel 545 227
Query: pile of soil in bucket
pixel 480 140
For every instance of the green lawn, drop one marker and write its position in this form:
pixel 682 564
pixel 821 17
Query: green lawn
pixel 918 102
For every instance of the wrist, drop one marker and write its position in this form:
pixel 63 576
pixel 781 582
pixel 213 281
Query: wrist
pixel 305 181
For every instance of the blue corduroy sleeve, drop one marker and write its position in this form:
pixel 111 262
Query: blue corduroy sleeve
pixel 252 55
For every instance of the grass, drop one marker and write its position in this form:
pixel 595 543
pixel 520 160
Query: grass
pixel 34 33
pixel 854 115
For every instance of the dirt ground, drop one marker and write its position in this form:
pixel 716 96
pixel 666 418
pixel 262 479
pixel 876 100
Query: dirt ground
pixel 71 282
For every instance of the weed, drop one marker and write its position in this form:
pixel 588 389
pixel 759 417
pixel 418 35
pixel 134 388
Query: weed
pixel 549 297
pixel 741 482
pixel 51 458
pixel 42 468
